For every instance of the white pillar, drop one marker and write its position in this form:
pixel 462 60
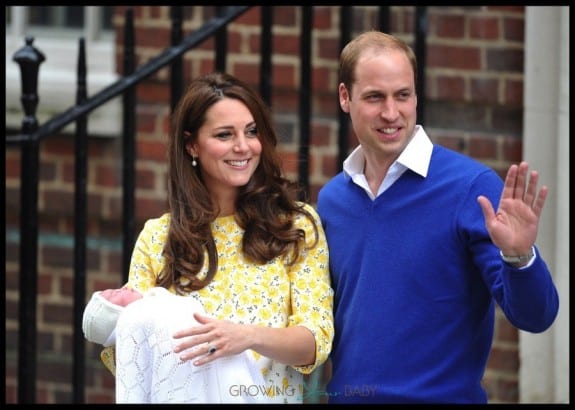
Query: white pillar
pixel 544 358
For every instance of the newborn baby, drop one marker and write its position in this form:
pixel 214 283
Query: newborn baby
pixel 147 369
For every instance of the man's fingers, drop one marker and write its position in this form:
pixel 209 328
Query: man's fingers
pixel 540 202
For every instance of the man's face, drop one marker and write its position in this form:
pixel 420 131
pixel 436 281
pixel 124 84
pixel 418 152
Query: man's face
pixel 382 104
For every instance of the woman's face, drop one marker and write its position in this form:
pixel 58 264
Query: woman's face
pixel 227 148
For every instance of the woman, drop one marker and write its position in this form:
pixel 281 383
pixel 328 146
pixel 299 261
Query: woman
pixel 239 245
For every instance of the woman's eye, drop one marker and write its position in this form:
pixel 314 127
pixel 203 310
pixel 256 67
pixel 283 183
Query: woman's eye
pixel 223 135
pixel 252 132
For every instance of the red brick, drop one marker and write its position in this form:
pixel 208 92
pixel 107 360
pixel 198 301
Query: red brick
pixel 454 57
pixel 449 26
pixel 152 150
pixel 285 15
pixel 450 88
pixel 484 28
pixel 288 44
pixel 514 28
pixel 513 92
pixel 322 18
pixel 251 17
pixel 484 90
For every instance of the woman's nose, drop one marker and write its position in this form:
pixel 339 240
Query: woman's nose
pixel 240 143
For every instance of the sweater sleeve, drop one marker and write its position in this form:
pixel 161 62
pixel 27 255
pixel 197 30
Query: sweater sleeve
pixel 531 300
pixel 527 296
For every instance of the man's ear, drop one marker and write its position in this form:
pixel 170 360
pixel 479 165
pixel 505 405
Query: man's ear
pixel 344 98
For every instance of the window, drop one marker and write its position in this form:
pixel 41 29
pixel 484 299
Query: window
pixel 56 31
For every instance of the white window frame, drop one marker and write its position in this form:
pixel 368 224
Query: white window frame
pixel 57 75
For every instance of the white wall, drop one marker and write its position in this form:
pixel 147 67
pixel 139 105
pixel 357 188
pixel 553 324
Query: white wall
pixel 544 358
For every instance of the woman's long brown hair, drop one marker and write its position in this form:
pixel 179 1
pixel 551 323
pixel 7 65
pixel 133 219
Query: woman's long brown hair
pixel 265 208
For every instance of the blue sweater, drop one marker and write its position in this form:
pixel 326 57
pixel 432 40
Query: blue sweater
pixel 416 276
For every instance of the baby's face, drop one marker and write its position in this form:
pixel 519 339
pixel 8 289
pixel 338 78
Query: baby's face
pixel 120 297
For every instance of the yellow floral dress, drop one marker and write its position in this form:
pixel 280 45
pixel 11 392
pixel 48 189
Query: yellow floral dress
pixel 273 294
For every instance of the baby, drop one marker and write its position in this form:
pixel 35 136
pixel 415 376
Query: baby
pixel 147 369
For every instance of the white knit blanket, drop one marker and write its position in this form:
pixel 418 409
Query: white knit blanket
pixel 148 371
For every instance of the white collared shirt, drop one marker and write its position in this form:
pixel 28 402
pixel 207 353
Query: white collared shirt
pixel 416 156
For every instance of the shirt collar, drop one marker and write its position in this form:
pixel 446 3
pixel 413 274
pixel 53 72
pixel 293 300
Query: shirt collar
pixel 416 155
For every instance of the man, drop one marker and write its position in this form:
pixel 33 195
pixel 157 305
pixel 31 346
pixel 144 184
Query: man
pixel 418 256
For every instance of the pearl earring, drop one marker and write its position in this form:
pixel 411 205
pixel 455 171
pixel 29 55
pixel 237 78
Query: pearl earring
pixel 194 162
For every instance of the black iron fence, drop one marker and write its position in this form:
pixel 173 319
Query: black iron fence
pixel 32 134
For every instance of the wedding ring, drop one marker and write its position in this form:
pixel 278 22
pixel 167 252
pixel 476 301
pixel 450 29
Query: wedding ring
pixel 211 349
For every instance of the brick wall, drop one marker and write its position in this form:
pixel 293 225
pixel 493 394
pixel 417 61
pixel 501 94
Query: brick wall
pixel 474 88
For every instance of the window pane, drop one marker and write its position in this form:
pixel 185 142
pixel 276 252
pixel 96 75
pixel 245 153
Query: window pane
pixel 41 16
pixel 107 16
pixel 74 16
pixel 57 16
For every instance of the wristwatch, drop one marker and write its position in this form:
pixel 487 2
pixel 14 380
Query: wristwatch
pixel 519 260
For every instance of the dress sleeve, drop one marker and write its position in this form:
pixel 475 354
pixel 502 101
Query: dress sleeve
pixel 147 260
pixel 311 292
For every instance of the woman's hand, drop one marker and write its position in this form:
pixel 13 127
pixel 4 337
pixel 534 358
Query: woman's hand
pixel 212 339
pixel 294 345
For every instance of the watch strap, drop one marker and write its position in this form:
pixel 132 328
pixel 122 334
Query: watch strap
pixel 519 260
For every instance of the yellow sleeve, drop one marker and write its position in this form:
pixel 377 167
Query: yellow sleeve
pixel 147 259
pixel 108 356
pixel 311 294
